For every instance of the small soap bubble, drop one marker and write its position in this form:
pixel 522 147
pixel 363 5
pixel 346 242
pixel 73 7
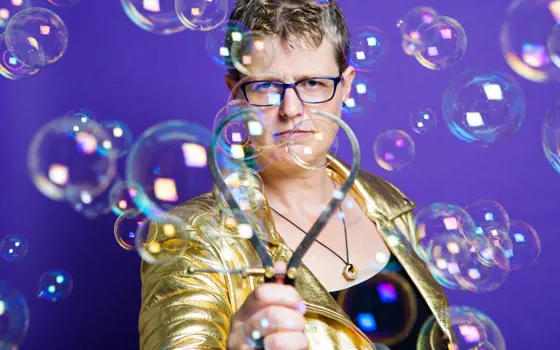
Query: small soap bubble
pixel 362 98
pixel 368 46
pixel 203 15
pixel 55 285
pixel 14 247
pixel 127 225
pixel 423 120
pixel 443 43
pixel 10 66
pixel 121 136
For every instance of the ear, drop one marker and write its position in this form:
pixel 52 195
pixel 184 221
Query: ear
pixel 348 77
pixel 230 82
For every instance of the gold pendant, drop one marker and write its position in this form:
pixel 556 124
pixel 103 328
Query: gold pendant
pixel 350 272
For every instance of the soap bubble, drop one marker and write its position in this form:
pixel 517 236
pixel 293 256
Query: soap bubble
pixel 472 330
pixel 202 15
pixel 37 37
pixel 220 41
pixel 253 54
pixel 121 136
pixel 311 140
pixel 71 158
pixel 393 150
pixel 166 165
pixel 481 106
pixel 10 66
pixel 14 317
pixel 361 99
pixel 126 226
pixel 368 46
pixel 14 247
pixel 443 43
pixel 246 187
pixel 55 285
pixel 488 215
pixel 155 16
pixel 158 242
pixel 423 120
pixel 120 197
pixel 413 19
pixel 526 245
pixel 551 136
pixel 526 36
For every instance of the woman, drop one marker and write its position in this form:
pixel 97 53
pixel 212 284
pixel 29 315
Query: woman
pixel 181 310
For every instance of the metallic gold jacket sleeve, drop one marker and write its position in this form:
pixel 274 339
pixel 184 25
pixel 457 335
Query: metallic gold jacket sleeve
pixel 181 310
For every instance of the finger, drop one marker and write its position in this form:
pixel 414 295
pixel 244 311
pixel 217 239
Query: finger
pixel 286 341
pixel 274 294
pixel 274 319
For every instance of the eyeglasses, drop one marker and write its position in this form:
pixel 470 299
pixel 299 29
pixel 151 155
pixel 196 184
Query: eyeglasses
pixel 264 93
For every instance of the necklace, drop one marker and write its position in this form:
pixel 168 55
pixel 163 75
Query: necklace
pixel 350 272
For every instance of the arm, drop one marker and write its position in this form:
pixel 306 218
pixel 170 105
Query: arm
pixel 181 310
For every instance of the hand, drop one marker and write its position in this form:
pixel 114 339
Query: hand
pixel 273 312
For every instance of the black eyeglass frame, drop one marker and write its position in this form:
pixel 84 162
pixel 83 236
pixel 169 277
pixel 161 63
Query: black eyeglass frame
pixel 286 86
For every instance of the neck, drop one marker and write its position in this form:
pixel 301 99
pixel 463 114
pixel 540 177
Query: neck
pixel 297 191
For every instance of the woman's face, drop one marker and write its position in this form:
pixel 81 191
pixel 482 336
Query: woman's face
pixel 313 134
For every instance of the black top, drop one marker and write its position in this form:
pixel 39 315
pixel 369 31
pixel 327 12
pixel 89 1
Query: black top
pixel 379 306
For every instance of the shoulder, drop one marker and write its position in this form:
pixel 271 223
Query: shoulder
pixel 189 211
pixel 387 197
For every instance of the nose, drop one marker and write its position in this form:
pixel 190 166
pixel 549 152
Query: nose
pixel 291 106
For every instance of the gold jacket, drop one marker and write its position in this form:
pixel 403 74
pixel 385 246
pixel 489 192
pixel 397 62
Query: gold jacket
pixel 193 311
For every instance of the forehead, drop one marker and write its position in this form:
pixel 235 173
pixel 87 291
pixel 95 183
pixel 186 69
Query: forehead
pixel 299 59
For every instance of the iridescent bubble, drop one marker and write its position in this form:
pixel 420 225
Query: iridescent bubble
pixel 311 140
pixel 166 165
pixel 526 245
pixel 202 15
pixel 445 255
pixel 472 330
pixel 551 136
pixel 55 285
pixel 368 46
pixel 443 43
pixel 8 8
pixel 412 20
pixel 121 136
pixel 553 45
pixel 361 99
pixel 481 106
pixel 423 120
pixel 440 219
pixel 371 305
pixel 488 215
pixel 525 39
pixel 10 66
pixel 155 16
pixel 501 246
pixel 246 187
pixel 71 158
pixel 219 42
pixel 120 198
pixel 14 247
pixel 393 150
pixel 253 54
pixel 158 242
pixel 37 37
pixel 14 317
pixel 127 225
pixel 64 3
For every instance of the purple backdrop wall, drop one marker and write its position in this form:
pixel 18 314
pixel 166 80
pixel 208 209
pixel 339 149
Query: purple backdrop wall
pixel 121 72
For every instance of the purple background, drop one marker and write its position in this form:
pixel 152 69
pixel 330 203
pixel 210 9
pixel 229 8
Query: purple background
pixel 121 72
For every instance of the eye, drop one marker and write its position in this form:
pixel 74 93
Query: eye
pixel 314 83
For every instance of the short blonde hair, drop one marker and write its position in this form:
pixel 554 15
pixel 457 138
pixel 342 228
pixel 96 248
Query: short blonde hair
pixel 295 21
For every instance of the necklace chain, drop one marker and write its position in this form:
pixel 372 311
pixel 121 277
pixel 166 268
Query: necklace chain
pixel 347 261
